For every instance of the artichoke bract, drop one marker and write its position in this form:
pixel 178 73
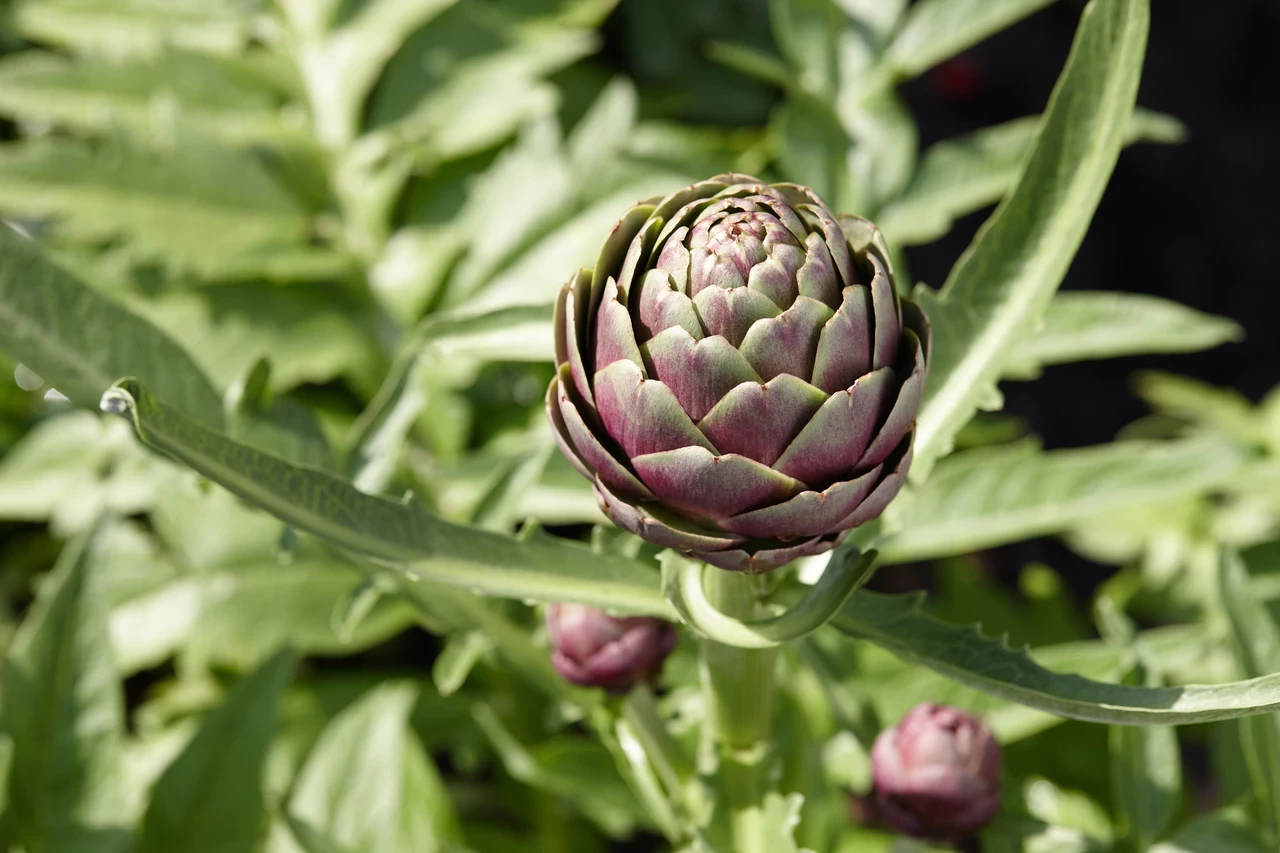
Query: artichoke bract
pixel 737 375
pixel 937 773
pixel 593 649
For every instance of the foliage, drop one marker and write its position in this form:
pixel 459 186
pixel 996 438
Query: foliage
pixel 291 601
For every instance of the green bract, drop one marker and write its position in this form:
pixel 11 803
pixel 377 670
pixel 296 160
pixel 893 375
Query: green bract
pixel 738 376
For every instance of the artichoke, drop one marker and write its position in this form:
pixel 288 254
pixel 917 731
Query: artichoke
pixel 937 773
pixel 738 376
pixel 593 649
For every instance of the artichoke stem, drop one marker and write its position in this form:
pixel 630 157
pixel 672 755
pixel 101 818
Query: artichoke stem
pixel 738 688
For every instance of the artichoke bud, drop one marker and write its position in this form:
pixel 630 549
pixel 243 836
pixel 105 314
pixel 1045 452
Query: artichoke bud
pixel 593 649
pixel 937 773
pixel 737 375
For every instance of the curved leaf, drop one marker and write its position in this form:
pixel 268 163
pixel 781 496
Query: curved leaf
pixel 1000 286
pixel 209 800
pixel 936 29
pixel 80 342
pixel 404 534
pixel 962 654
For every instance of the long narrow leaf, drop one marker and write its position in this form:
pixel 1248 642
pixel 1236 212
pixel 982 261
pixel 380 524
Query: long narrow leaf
pixel 999 288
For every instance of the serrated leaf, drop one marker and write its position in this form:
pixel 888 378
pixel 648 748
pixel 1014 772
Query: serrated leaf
pixel 991 496
pixel 961 175
pixel 64 710
pixel 191 205
pixel 936 29
pixel 1081 325
pixel 369 785
pixel 963 654
pixel 427 547
pixel 1257 641
pixel 116 28
pixel 80 342
pixel 209 800
pixel 94 96
pixel 1000 286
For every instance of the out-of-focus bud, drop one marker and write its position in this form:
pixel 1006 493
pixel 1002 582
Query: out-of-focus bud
pixel 937 773
pixel 591 648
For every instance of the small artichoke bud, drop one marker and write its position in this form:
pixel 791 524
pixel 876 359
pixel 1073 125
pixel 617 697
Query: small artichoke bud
pixel 937 773
pixel 737 375
pixel 591 648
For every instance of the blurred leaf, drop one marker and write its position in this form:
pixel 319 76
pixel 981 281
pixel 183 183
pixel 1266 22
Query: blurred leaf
pixel 210 797
pixel 808 32
pixel 543 568
pixel 961 653
pixel 813 148
pixel 1257 641
pixel 1021 834
pixel 461 652
pixel 936 29
pixel 94 96
pixel 1146 779
pixel 1000 286
pixel 116 28
pixel 961 175
pixel 193 205
pixel 310 839
pixel 369 785
pixel 277 425
pixel 1223 409
pixel 239 617
pixel 310 334
pixel 991 496
pixel 79 342
pixel 67 470
pixel 578 769
pixel 1081 325
pixel 1223 833
pixel 64 711
pixel 341 68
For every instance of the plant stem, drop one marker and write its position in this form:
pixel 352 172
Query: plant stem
pixel 737 685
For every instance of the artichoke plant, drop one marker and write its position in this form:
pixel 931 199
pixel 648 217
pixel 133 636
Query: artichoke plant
pixel 593 649
pixel 738 376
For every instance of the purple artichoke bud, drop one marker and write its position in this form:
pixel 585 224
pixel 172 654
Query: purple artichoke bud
pixel 592 648
pixel 937 773
pixel 737 376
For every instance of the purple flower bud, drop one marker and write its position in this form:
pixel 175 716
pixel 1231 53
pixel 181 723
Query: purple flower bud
pixel 591 648
pixel 937 773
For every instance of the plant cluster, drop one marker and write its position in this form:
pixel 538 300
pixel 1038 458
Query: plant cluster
pixel 293 563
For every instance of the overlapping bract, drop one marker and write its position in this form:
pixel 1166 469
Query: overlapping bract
pixel 737 375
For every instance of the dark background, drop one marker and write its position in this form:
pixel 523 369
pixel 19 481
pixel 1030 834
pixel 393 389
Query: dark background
pixel 1194 222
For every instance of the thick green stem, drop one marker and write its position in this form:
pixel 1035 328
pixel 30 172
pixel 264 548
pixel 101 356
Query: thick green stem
pixel 738 688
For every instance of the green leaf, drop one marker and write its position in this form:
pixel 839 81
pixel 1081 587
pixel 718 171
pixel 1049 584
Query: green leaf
pixel 460 654
pixel 405 534
pixel 962 654
pixel 311 334
pixel 239 616
pixel 278 425
pixel 958 176
pixel 1146 778
pixel 94 96
pixel 369 785
pixel 1000 286
pixel 115 28
pixel 991 496
pixel 1223 409
pixel 80 342
pixel 209 800
pixel 64 710
pixel 1080 325
pixel 1257 642
pixel 194 205
pixel 578 769
pixel 310 839
pixel 341 68
pixel 936 29
pixel 1222 833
